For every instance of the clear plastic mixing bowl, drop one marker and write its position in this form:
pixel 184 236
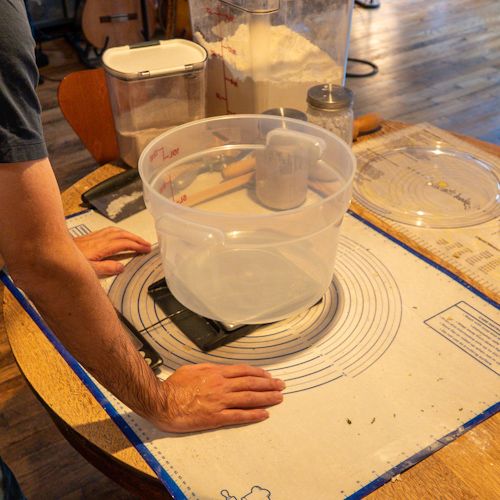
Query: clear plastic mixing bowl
pixel 248 210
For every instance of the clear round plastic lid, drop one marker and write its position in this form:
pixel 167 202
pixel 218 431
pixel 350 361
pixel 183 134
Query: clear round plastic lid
pixel 428 186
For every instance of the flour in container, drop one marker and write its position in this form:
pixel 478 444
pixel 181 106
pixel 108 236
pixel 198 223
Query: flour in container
pixel 288 64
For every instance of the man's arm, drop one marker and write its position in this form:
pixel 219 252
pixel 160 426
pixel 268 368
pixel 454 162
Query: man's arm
pixel 44 261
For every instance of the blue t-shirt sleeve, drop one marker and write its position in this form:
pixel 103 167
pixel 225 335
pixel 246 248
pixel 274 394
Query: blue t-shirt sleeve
pixel 21 133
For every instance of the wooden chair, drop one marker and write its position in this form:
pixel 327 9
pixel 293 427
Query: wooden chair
pixel 84 101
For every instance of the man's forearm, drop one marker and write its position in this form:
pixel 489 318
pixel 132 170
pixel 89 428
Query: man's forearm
pixel 92 332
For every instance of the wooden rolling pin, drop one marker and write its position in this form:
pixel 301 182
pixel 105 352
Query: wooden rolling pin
pixel 218 189
pixel 364 124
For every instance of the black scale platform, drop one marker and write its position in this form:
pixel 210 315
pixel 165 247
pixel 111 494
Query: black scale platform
pixel 205 333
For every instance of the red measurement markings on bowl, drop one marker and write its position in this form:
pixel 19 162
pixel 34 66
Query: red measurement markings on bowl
pixel 167 185
pixel 167 190
pixel 164 155
pixel 221 15
pixel 182 199
pixel 229 49
pixel 232 81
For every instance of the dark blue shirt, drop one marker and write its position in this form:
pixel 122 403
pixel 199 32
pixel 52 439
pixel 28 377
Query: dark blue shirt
pixel 21 135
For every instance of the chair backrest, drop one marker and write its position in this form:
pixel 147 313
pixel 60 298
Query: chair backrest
pixel 84 101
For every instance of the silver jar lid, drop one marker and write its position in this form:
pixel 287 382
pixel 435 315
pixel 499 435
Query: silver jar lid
pixel 329 96
pixel 287 113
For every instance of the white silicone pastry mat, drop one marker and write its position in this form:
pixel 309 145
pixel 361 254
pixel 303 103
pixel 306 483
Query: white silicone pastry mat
pixel 397 360
pixel 474 250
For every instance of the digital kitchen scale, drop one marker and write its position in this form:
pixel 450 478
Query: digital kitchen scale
pixel 206 333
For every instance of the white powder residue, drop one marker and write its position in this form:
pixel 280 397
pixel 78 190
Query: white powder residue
pixel 293 64
pixel 116 206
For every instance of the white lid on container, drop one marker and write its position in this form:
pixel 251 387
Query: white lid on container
pixel 152 59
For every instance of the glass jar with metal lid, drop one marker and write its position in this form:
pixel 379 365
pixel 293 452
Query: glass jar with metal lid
pixel 330 107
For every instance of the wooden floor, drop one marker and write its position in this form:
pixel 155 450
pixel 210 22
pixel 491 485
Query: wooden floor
pixel 439 62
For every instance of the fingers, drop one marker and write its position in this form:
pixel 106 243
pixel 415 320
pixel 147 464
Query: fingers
pixel 110 234
pixel 116 246
pixel 122 234
pixel 116 232
pixel 240 377
pixel 255 384
pixel 230 371
pixel 222 419
pixel 113 235
pixel 106 268
pixel 252 399
pixel 239 417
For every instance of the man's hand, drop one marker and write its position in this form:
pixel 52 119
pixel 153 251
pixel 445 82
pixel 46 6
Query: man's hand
pixel 96 247
pixel 207 396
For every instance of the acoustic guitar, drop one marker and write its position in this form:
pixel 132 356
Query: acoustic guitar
pixel 112 23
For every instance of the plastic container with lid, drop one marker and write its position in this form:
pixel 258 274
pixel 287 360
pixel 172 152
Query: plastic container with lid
pixel 230 252
pixel 266 53
pixel 153 86
pixel 330 107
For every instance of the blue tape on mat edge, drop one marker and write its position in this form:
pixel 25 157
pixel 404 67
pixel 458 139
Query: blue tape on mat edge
pixel 158 469
pixel 422 454
pixel 81 212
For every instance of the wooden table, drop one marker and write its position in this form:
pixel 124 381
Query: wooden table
pixel 466 468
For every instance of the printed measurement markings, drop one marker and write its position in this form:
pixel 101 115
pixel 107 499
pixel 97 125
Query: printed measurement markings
pixel 164 155
pixel 80 230
pixel 223 16
pixel 343 335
